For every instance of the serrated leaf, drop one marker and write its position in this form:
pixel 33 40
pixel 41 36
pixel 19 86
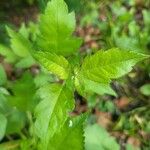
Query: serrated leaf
pixel 85 86
pixel 3 125
pixel 97 138
pixel 98 70
pixel 71 135
pixel 52 112
pixel 56 27
pixel 19 44
pixel 99 88
pixel 106 65
pixel 58 65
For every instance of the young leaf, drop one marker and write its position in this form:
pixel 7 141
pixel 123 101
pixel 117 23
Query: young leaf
pixel 24 31
pixel 97 138
pixel 56 64
pixel 19 44
pixel 71 135
pixel 106 65
pixel 52 112
pixel 56 27
pixel 3 124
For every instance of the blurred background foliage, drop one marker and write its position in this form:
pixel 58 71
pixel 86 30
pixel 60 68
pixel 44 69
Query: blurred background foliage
pixel 123 121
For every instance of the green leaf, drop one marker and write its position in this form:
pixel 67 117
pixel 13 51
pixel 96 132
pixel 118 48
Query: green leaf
pixel 25 62
pixel 16 121
pixel 3 91
pixel 106 106
pixel 85 86
pixel 124 42
pixel 23 96
pixel 97 138
pixel 33 30
pixel 8 54
pixel 106 65
pixel 3 124
pixel 98 70
pixel 19 44
pixel 146 15
pixel 52 112
pixel 3 76
pixel 131 147
pixel 58 65
pixel 99 88
pixel 42 78
pixel 56 27
pixel 24 31
pixel 71 135
pixel 4 109
pixel 145 89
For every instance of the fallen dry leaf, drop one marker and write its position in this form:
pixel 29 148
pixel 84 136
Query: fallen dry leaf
pixel 122 102
pixel 104 119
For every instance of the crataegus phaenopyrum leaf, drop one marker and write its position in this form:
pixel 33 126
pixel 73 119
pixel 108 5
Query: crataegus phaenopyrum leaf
pixel 106 65
pixel 56 27
pixel 98 70
pixel 99 88
pixel 58 65
pixel 70 136
pixel 84 86
pixel 52 112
